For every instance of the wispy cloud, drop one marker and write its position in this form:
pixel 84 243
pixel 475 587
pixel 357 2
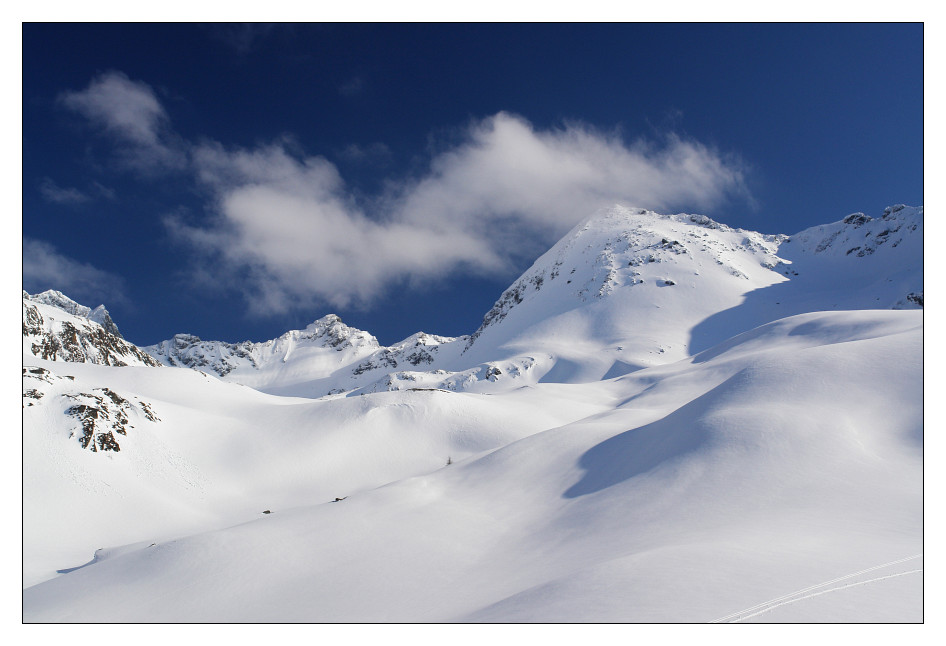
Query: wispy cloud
pixel 290 228
pixel 46 268
pixel 129 111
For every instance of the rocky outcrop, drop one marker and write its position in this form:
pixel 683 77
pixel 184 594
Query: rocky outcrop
pixel 101 415
pixel 71 334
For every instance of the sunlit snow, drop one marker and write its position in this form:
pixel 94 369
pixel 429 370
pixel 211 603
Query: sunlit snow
pixel 664 419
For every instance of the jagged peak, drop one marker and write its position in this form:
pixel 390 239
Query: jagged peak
pixel 326 321
pixel 57 299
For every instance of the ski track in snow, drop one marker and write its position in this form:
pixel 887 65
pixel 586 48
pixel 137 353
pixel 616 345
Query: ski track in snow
pixel 786 599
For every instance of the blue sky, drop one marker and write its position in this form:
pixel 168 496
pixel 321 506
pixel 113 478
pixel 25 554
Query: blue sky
pixel 237 181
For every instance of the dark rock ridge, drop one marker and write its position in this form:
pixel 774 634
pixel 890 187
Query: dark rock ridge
pixel 189 351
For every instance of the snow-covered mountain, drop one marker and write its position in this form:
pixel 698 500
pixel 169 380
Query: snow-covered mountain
pixel 626 289
pixel 663 419
pixel 58 329
pixel 327 357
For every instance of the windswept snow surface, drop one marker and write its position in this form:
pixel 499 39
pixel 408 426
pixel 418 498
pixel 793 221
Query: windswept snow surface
pixel 615 455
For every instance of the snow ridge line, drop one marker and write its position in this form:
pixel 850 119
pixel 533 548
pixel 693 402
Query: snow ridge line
pixel 789 596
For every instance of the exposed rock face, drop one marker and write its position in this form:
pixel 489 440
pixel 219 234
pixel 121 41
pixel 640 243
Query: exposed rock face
pixel 60 301
pixel 72 335
pixel 102 415
pixel 417 350
pixel 189 351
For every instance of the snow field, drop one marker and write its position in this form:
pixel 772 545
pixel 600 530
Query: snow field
pixel 705 487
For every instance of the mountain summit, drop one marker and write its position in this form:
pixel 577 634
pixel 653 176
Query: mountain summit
pixel 57 328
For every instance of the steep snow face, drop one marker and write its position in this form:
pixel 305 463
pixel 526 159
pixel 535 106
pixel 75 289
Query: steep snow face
pixel 855 263
pixel 57 334
pixel 623 290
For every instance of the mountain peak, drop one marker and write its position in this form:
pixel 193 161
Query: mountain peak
pixel 57 328
pixel 629 255
pixel 57 299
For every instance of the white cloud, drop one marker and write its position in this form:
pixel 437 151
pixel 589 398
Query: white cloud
pixel 486 206
pixel 287 225
pixel 131 113
pixel 508 170
pixel 45 268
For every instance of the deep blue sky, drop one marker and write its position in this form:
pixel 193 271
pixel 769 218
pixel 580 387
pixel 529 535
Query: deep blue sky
pixel 821 121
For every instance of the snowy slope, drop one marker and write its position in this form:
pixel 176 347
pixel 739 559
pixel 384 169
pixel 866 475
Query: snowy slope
pixel 217 453
pixel 712 485
pixel 663 419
